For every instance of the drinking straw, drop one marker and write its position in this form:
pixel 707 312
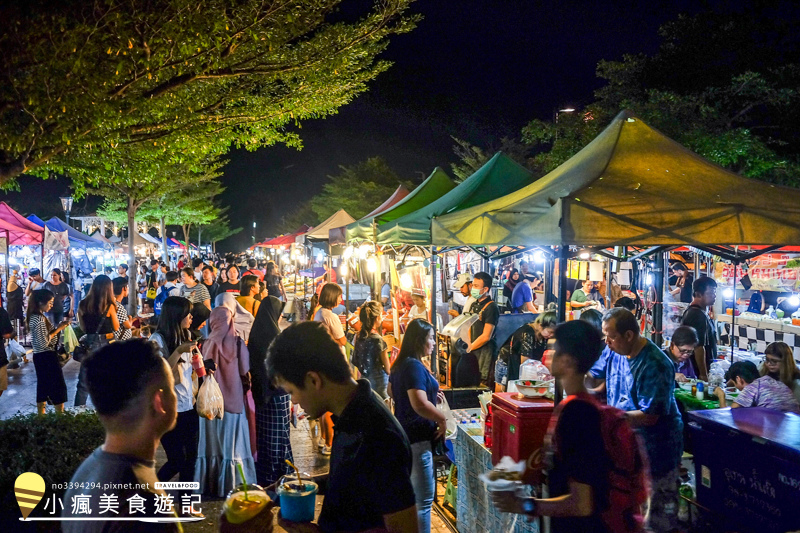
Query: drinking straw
pixel 244 480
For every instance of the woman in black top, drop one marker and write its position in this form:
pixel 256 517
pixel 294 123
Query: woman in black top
pixel 370 353
pixel 97 316
pixel 273 405
pixel 232 285
pixel 508 289
pixel 274 282
pixel 50 385
pixel 61 291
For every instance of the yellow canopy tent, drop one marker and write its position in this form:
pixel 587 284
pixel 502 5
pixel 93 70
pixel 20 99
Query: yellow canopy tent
pixel 631 185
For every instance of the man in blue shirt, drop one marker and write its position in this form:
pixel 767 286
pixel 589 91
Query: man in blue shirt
pixel 522 297
pixel 647 395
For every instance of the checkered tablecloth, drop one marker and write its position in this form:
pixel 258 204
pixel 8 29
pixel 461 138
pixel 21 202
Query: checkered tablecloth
pixel 475 512
pixel 747 335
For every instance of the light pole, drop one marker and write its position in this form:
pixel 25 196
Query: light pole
pixel 254 232
pixel 565 110
pixel 66 203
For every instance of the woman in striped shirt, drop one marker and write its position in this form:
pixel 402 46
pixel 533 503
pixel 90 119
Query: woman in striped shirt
pixel 50 385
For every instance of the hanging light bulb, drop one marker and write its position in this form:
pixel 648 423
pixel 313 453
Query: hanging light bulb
pixel 343 269
pixel 406 281
pixel 728 293
pixel 364 250
pixel 372 264
pixel 585 255
pixel 348 252
pixel 538 257
pixel 794 301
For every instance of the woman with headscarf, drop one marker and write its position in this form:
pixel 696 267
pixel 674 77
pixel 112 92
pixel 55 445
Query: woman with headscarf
pixel 514 278
pixel 273 405
pixel 225 443
pixel 242 320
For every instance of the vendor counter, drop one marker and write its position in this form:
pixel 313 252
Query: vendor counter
pixel 475 511
pixel 747 465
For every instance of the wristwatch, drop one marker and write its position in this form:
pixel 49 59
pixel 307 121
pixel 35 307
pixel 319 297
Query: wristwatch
pixel 529 506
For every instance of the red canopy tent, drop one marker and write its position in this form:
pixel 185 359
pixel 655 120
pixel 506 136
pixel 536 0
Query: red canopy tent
pixel 284 240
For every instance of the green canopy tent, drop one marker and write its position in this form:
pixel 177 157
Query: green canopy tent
pixel 631 185
pixel 434 187
pixel 499 176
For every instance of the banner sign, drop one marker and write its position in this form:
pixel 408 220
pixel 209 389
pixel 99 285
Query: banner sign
pixel 55 240
pixel 768 272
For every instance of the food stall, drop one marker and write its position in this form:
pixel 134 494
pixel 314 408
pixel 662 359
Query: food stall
pixel 631 187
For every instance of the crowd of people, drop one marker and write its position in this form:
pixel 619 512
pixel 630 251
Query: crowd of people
pixel 232 322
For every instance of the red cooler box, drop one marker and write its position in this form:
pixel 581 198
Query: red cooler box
pixel 518 425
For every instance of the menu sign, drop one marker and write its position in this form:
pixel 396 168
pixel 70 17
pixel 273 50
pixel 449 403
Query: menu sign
pixel 769 272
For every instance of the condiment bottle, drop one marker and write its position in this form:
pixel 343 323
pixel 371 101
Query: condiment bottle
pixel 699 394
pixel 487 432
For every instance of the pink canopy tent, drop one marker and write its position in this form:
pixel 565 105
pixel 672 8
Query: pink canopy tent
pixel 20 230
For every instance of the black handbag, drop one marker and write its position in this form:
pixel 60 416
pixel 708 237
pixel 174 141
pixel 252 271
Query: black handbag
pixel 88 343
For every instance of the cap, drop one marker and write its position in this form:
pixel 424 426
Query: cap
pixel 462 280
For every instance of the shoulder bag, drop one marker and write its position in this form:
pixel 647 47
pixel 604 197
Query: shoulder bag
pixel 88 343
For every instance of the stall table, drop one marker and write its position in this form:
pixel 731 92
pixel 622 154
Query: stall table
pixel 692 403
pixel 475 512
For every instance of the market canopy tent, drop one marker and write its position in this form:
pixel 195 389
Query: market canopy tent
pixel 320 232
pixel 434 187
pixel 499 176
pixel 283 240
pixel 631 185
pixel 76 238
pixel 35 233
pixel 339 235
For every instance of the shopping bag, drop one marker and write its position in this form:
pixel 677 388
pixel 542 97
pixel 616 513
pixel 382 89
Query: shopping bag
pixel 14 350
pixel 450 420
pixel 250 412
pixel 209 399
pixel 70 340
pixel 152 292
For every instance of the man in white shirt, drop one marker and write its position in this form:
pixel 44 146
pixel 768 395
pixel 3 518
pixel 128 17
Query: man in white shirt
pixel 464 284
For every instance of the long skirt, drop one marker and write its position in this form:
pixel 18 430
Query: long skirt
pixel 223 445
pixel 50 384
pixel 274 446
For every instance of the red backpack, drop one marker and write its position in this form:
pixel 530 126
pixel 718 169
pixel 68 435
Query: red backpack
pixel 628 477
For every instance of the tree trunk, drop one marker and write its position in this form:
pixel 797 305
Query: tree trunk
pixel 186 229
pixel 199 241
pixel 164 252
pixel 133 270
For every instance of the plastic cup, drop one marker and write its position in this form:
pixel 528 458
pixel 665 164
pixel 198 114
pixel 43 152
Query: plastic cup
pixel 297 500
pixel 239 509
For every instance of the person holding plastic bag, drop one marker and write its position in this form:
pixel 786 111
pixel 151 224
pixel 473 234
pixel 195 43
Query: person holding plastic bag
pixel 225 443
pixel 50 385
pixel 175 345
pixel 415 393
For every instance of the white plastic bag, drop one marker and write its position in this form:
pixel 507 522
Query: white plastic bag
pixel 534 370
pixel 450 420
pixel 14 350
pixel 209 399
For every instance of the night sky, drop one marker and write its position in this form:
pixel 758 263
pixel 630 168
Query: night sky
pixel 477 70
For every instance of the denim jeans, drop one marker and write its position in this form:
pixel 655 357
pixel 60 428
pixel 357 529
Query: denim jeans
pixel 423 483
pixel 379 380
pixel 82 391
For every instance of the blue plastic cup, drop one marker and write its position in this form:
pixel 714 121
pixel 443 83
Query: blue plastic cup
pixel 296 505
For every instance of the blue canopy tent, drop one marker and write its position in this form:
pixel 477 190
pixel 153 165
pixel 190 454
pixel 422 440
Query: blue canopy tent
pixel 78 241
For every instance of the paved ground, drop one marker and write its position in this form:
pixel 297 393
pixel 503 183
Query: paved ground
pixel 21 398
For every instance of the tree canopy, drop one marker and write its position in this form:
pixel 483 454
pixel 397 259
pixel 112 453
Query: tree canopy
pixel 723 85
pixel 80 80
pixel 358 189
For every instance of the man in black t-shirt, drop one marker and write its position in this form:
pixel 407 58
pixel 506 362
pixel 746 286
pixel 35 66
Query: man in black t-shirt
pixel 482 332
pixel 369 484
pixel 575 457
pixel 704 290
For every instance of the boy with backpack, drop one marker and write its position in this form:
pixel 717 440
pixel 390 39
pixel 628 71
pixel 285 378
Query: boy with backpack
pixel 596 469
pixel 168 289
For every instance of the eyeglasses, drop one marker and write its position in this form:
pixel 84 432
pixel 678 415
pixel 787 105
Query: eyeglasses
pixel 686 352
pixel 771 361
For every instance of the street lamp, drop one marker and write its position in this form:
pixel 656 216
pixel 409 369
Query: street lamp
pixel 254 232
pixel 66 203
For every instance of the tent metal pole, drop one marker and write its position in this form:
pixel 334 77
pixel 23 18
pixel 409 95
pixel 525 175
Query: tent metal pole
pixel 549 269
pixel 435 354
pixel 562 304
pixel 735 307
pixel 658 305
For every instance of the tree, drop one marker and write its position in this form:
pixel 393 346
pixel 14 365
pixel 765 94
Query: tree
pixel 136 177
pixel 472 157
pixel 738 109
pixel 302 214
pixel 218 231
pixel 79 78
pixel 358 189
